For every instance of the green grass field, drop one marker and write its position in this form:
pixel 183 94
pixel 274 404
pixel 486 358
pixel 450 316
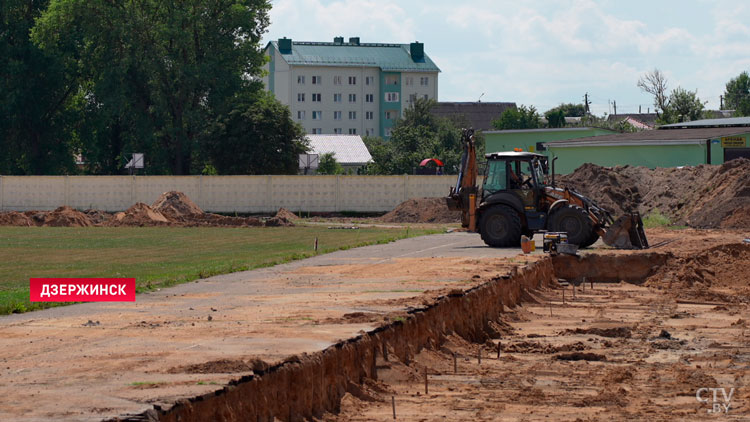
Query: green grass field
pixel 160 256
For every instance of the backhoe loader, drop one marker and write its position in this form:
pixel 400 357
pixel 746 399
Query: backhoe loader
pixel 519 197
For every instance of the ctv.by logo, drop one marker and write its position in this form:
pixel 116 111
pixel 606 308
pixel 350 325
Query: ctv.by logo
pixel 716 405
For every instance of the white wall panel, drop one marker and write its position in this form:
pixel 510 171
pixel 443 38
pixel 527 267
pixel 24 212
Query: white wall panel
pixel 243 194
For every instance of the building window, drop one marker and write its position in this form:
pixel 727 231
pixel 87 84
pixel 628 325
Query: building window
pixel 317 130
pixel 391 97
pixel 409 81
pixel 337 131
pixel 352 131
pixel 369 115
pixel 387 131
pixel 316 80
pixel 391 114
pixel 391 80
pixel 369 80
pixel 369 98
pixel 316 98
pixel 370 132
pixel 352 80
pixel 337 80
pixel 424 81
pixel 301 97
pixel 352 115
pixel 336 98
pixel 317 115
pixel 301 79
pixel 300 114
pixel 426 97
pixel 352 98
pixel 412 98
pixel 336 115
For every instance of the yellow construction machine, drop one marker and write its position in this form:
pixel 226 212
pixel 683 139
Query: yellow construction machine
pixel 519 197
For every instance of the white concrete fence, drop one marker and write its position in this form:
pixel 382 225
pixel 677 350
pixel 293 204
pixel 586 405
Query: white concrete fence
pixel 244 194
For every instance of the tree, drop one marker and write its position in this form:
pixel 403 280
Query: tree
pixel 327 164
pixel 737 95
pixel 682 106
pixel 152 74
pixel 35 98
pixel 257 136
pixel 655 83
pixel 518 118
pixel 416 136
pixel 555 118
pixel 570 110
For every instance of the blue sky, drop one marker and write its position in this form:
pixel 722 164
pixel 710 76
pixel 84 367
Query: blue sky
pixel 544 53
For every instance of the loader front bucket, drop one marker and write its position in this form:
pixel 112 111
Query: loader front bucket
pixel 626 233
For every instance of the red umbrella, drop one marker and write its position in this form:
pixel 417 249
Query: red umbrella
pixel 427 160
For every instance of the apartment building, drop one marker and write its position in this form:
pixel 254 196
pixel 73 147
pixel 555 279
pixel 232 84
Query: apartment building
pixel 349 88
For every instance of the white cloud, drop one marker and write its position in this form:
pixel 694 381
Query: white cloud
pixel 315 20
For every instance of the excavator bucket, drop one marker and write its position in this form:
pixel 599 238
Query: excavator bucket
pixel 626 233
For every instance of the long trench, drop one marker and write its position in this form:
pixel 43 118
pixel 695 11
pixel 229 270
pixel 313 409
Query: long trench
pixel 307 386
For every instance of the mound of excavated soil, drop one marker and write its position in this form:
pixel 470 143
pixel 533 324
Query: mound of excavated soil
pixel 714 274
pixel 98 216
pixel 67 217
pixel 284 213
pixel 422 210
pixel 139 214
pixel 14 218
pixel 702 196
pixel 176 205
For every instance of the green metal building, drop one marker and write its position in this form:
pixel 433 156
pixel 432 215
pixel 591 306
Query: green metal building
pixel 686 144
pixel 530 139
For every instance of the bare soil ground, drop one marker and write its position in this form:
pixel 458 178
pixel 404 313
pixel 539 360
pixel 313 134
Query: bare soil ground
pixel 617 352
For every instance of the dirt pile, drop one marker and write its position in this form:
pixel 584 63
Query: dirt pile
pixel 703 196
pixel 14 218
pixel 170 209
pixel 176 206
pixel 139 215
pixel 285 213
pixel 60 217
pixel 98 217
pixel 715 275
pixel 422 210
pixel 66 217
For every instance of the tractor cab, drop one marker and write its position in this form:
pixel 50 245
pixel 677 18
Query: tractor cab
pixel 520 174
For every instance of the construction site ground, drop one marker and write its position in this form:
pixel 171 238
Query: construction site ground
pixel 619 351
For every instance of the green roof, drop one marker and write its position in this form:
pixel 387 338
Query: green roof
pixel 388 57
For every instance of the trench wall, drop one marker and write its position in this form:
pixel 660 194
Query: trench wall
pixel 307 386
pixel 245 194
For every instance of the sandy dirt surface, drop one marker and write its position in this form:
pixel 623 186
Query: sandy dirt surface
pixel 101 360
pixel 617 352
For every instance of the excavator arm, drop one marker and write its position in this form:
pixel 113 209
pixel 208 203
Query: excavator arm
pixel 463 195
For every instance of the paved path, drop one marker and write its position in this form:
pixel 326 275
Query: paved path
pixel 193 338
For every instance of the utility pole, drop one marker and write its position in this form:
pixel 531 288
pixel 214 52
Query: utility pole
pixel 639 109
pixel 614 104
pixel 586 103
pixel 721 101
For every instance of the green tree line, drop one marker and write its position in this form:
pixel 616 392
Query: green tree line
pixel 178 81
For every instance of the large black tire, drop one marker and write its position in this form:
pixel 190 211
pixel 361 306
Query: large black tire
pixel 575 222
pixel 591 240
pixel 500 226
